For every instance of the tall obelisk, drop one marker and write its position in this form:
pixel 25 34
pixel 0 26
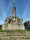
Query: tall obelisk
pixel 14 10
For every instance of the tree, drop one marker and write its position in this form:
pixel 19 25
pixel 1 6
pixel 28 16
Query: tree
pixel 28 26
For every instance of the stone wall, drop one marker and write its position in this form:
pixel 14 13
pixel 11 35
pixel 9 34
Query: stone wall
pixel 13 27
pixel 14 35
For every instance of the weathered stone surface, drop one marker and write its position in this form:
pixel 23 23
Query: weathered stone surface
pixel 14 36
pixel 13 27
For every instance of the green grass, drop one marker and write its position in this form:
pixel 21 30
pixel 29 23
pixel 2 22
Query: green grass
pixel 22 31
pixel 12 30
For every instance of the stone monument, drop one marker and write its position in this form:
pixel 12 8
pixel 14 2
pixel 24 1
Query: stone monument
pixel 13 22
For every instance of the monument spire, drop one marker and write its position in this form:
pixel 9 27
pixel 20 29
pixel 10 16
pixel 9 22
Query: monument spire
pixel 14 10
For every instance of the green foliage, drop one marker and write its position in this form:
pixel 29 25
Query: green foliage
pixel 28 26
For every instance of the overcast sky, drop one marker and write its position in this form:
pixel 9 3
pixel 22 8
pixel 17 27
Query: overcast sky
pixel 22 9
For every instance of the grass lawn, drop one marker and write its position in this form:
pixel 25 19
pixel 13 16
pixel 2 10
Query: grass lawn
pixel 13 30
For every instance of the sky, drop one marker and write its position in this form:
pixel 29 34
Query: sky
pixel 22 9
